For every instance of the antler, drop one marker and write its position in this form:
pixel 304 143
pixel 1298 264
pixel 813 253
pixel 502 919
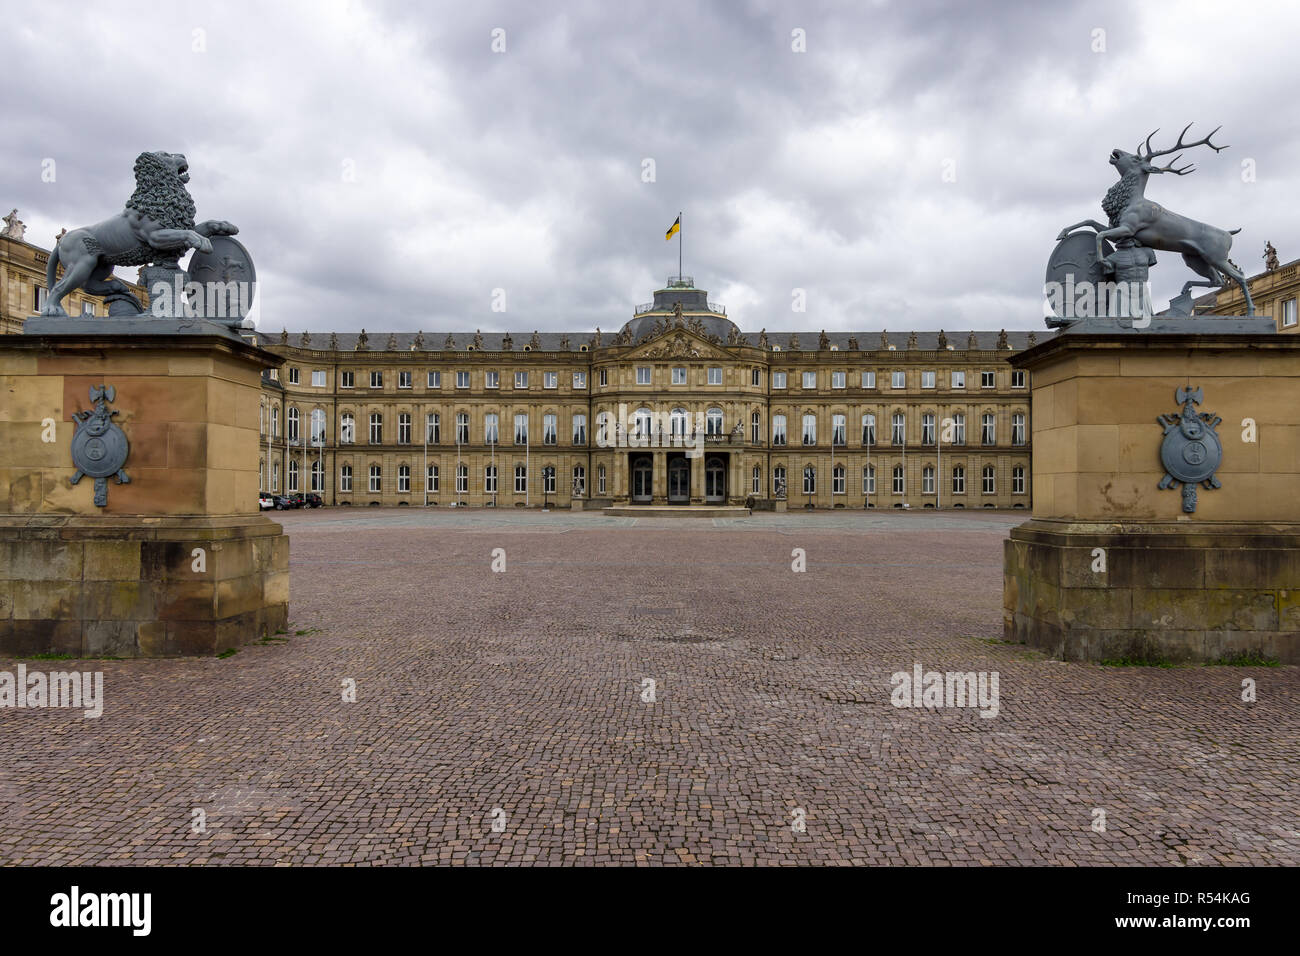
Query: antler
pixel 1147 153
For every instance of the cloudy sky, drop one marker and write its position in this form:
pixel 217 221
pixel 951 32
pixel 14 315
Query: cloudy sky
pixel 910 168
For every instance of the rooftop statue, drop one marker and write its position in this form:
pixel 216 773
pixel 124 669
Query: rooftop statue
pixel 1132 216
pixel 156 226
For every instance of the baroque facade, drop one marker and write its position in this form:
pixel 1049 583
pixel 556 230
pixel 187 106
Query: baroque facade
pixel 678 407
pixel 1275 291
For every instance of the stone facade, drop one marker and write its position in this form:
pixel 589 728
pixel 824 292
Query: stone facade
pixel 22 286
pixel 1275 292
pixel 582 395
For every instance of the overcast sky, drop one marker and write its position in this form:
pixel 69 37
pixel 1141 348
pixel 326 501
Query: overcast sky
pixel 911 169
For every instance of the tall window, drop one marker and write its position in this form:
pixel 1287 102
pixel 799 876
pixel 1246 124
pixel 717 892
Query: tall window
pixel 317 476
pixel 927 428
pixel 757 481
pixel 275 476
pixel 404 479
pixel 293 475
pixel 679 375
pixel 431 479
pixel 641 423
pixel 1288 315
pixel 462 379
pixel 778 479
pixel 778 430
pixel 293 425
pixel 376 379
pixel 434 380
pixel 376 428
pixel 550 429
pixel 869 480
pixel 837 480
pixel 602 431
pixel 347 379
pixel 959 429
pixel 1018 428
pixel 809 480
pixel 521 479
pixel 839 430
pixel 347 429
pixel 462 479
pixel 376 478
pixel 492 379
pixel 713 421
pixel 579 481
pixel 345 478
pixel 809 429
pixel 755 379
pixel 490 479
pixel 318 426
pixel 404 428
pixel 261 419
pixel 521 428
pixel 839 379
pixel 1018 480
pixel 604 376
pixel 755 429
pixel 491 432
pixel 988 429
pixel 600 480
pixel 927 480
pixel 462 428
pixel 1018 376
pixel 897 433
pixel 548 481
pixel 580 429
pixel 275 421
pixel 898 479
pixel 433 428
pixel 868 429
pixel 988 480
pixel 959 480
pixel 403 379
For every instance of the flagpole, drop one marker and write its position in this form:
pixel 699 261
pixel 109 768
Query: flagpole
pixel 679 246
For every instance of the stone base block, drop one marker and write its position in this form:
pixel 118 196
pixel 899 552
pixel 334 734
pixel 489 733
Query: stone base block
pixel 1164 591
pixel 139 586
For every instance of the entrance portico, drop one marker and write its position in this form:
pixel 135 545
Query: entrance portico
pixel 677 478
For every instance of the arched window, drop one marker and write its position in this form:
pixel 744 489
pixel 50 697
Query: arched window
pixel 318 426
pixel 293 425
pixel 293 474
pixel 713 421
pixel 677 423
pixel 755 432
pixel 347 429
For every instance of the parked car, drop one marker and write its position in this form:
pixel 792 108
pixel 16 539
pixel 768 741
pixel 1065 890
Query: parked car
pixel 265 502
pixel 311 500
pixel 283 503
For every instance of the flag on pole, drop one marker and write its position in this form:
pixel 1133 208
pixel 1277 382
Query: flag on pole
pixel 676 227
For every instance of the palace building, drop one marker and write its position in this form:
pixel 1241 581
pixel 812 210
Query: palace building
pixel 679 407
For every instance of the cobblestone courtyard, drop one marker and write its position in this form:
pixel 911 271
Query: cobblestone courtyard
pixel 499 717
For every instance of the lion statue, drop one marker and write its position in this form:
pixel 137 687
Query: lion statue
pixel 157 226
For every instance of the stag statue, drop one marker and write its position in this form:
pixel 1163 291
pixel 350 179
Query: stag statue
pixel 1132 216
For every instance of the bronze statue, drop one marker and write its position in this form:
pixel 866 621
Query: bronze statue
pixel 1270 257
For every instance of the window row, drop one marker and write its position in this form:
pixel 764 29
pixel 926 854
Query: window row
pixel 463 378
pixel 898 485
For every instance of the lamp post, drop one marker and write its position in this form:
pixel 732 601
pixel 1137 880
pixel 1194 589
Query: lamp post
pixel 548 473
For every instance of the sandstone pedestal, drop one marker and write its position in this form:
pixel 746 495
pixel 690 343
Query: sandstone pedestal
pixel 179 561
pixel 1110 566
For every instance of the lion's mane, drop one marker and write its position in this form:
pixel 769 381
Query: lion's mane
pixel 160 194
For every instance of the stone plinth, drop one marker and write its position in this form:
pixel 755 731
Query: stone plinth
pixel 1110 566
pixel 179 560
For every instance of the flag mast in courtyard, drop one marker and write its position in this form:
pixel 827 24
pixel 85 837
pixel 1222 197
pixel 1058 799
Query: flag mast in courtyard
pixel 676 227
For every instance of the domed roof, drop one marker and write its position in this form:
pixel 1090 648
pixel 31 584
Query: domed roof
pixel 695 304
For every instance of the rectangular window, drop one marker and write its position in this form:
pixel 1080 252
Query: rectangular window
pixel 462 379
pixel 715 375
pixel 1018 429
pixel 839 430
pixel 403 429
pixel 580 429
pixel 839 379
pixel 898 380
pixel 927 428
pixel 1018 480
pixel 988 430
pixel 521 379
pixel 550 380
pixel 548 480
pixel 318 378
pixel 988 482
pixel 521 479
pixel 869 480
pixel 958 380
pixel 959 480
pixel 604 376
pixel 347 379
pixel 988 380
pixel 521 428
pixel 755 378
pixel 868 429
pixel 900 481
pixel 490 434
pixel 462 428
pixel 41 294
pixel 433 428
pixel 376 429
pixel 927 379
pixel 403 379
pixel 579 380
pixel 810 380
pixel 490 479
pixel 1018 378
pixel 492 379
pixel 462 479
pixel 1288 313
pixel 898 429
pixel 376 478
pixel 679 375
pixel 404 479
pixel 345 478
pixel 778 430
pixel 549 430
pixel 376 379
pixel 778 379
pixel 837 480
pixel 293 376
pixel 810 429
pixel 431 479
pixel 435 380
pixel 643 374
pixel 868 379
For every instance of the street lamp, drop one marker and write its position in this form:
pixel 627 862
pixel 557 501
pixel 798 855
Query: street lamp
pixel 548 475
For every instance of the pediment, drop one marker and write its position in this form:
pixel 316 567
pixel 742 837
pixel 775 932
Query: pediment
pixel 678 343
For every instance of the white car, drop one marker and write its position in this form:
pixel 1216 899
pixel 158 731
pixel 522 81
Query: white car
pixel 265 502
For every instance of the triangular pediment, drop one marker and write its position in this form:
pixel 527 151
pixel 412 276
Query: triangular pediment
pixel 678 343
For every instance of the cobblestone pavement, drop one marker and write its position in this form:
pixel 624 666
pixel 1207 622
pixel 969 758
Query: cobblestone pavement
pixel 515 699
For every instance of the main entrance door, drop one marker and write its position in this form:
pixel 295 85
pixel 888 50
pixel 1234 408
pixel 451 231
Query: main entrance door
pixel 679 481
pixel 715 480
pixel 642 487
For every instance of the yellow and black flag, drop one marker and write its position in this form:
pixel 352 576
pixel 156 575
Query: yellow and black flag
pixel 674 228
